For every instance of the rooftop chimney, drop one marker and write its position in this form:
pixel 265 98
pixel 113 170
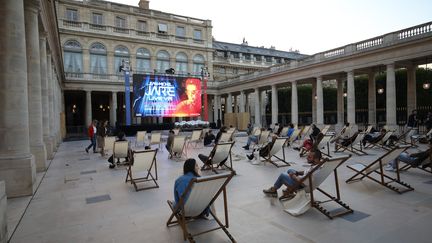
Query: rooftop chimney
pixel 144 4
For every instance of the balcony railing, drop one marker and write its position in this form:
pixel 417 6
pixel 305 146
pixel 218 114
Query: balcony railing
pixel 97 27
pixel 71 23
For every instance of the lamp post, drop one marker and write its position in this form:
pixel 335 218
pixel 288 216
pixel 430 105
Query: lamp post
pixel 204 76
pixel 125 68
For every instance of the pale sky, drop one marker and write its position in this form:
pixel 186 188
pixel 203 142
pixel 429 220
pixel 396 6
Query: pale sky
pixel 310 26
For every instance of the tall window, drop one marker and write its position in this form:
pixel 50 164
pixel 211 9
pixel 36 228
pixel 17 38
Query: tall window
pixel 142 25
pixel 120 53
pixel 198 63
pixel 97 19
pixel 180 32
pixel 162 61
pixel 143 61
pixel 120 22
pixel 181 63
pixel 73 60
pixel 197 35
pixel 98 61
pixel 72 14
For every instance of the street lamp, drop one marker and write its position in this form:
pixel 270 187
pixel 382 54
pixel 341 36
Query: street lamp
pixel 125 68
pixel 204 77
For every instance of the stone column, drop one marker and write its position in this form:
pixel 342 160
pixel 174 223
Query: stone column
pixel 320 101
pixel 229 104
pixel 51 101
pixel 88 119
pixel 340 103
pixel 113 108
pixel 263 104
pixel 371 99
pixel 350 98
pixel 391 96
pixel 294 104
pixel 257 108
pixel 17 166
pixel 236 108
pixel 242 102
pixel 216 107
pixel 411 89
pixel 275 104
pixel 37 146
pixel 314 108
pixel 45 102
pixel 210 113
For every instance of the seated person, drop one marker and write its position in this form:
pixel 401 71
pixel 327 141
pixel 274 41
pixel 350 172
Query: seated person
pixel 290 130
pixel 219 134
pixel 265 150
pixel 346 141
pixel 252 138
pixel 292 177
pixel 120 137
pixel 170 140
pixel 315 132
pixel 278 132
pixel 414 159
pixel 374 137
pixel 209 138
pixel 249 129
pixel 308 144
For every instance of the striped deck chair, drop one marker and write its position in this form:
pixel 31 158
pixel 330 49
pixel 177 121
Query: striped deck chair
pixel 195 138
pixel 140 137
pixel 221 152
pixel 277 146
pixel 109 144
pixel 155 138
pixel 198 196
pixel 305 198
pixel 178 147
pixel 141 169
pixel 377 167
pixel 294 137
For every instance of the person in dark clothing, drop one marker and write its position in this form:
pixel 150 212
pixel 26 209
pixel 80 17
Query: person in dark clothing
pixel 412 119
pixel 120 137
pixel 315 132
pixel 209 137
pixel 207 160
pixel 374 137
pixel 219 134
pixel 428 121
pixel 265 150
pixel 170 140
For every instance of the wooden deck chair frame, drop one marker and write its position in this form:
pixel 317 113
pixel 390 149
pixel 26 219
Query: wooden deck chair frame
pixel 178 146
pixel 415 138
pixel 120 150
pixel 312 183
pixel 195 138
pixel 402 138
pixel 155 138
pixel 179 210
pixel 109 143
pixel 381 142
pixel 140 137
pixel 144 161
pixel 305 131
pixel 426 161
pixel 377 166
pixel 352 146
pixel 215 158
pixel 277 146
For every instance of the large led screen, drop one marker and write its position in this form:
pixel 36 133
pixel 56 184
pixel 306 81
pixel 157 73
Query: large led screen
pixel 166 96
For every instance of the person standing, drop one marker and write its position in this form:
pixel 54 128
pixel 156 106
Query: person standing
pixel 92 135
pixel 412 120
pixel 101 134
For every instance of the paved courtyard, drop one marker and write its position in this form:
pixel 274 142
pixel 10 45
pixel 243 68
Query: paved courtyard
pixel 81 200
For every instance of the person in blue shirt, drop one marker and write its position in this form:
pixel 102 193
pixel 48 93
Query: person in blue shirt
pixel 191 170
pixel 290 130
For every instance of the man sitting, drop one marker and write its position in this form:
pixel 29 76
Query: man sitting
pixel 265 150
pixel 209 138
pixel 374 137
pixel 252 138
pixel 414 159
pixel 292 178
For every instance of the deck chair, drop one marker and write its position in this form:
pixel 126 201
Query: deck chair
pixel 176 131
pixel 109 144
pixel 226 137
pixel 121 150
pixel 262 139
pixel 195 138
pixel 294 136
pixel 305 198
pixel 325 129
pixel 425 165
pixel 325 142
pixel 305 132
pixel 368 129
pixel 220 152
pixel 402 137
pixel 277 146
pixel 376 167
pixel 198 196
pixel 155 138
pixel 381 143
pixel 144 163
pixel 140 137
pixel 283 132
pixel 355 146
pixel 178 147
pixel 415 138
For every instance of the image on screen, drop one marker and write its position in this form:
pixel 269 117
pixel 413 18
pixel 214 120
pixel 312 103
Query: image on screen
pixel 166 96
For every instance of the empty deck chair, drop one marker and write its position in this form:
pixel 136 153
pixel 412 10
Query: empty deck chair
pixel 198 196
pixel 323 144
pixel 355 146
pixel 121 150
pixel 178 147
pixel 221 152
pixel 305 198
pixel 377 167
pixel 140 137
pixel 109 144
pixel 195 138
pixel 141 169
pixel 226 137
pixel 325 129
pixel 155 138
pixel 277 146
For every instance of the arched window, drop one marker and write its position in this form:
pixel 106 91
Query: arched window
pixel 120 53
pixel 198 63
pixel 98 61
pixel 143 61
pixel 73 59
pixel 162 61
pixel 181 63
